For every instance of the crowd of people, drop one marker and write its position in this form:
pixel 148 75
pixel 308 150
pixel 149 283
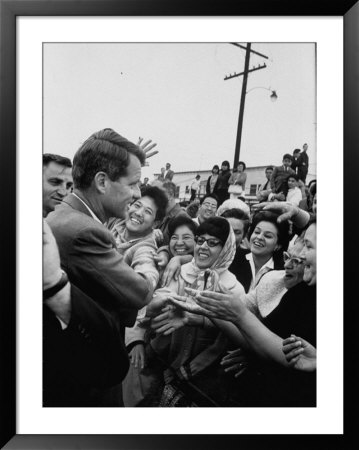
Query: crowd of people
pixel 147 303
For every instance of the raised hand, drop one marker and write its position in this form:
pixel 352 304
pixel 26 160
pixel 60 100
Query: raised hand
pixel 300 354
pixel 147 147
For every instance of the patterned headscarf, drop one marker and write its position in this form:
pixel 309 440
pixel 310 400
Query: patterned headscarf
pixel 209 278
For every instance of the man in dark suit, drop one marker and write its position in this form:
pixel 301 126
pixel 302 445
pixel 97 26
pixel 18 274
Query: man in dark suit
pixel 80 340
pixel 106 174
pixel 168 175
pixel 303 163
pixel 279 179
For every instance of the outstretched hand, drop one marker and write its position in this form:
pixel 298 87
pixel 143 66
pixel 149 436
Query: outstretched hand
pixel 187 304
pixel 168 321
pixel 147 147
pixel 225 306
pixel 300 354
pixel 235 361
pixel 286 210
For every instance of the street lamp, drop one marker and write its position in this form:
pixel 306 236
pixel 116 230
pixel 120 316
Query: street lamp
pixel 273 95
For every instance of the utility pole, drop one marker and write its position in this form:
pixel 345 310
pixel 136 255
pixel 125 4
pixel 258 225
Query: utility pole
pixel 243 94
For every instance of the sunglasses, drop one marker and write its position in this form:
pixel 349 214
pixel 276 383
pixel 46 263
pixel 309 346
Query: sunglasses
pixel 296 261
pixel 210 242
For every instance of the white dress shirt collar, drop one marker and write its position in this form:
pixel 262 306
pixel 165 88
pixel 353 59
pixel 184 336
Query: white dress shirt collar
pixel 89 209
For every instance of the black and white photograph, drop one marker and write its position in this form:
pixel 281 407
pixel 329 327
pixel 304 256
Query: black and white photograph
pixel 176 256
pixel 179 205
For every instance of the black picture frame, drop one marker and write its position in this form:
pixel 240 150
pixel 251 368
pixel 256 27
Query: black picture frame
pixel 9 10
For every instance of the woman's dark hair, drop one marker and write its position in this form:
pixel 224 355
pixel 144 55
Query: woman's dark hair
pixel 239 214
pixel 282 229
pixel 159 197
pixel 293 175
pixel 313 189
pixel 243 164
pixel 215 226
pixel 226 163
pixel 180 220
pixel 215 167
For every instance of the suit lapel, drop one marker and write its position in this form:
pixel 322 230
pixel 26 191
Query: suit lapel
pixel 76 204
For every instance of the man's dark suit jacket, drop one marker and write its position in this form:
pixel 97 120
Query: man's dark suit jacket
pixel 279 179
pixel 169 175
pixel 90 258
pixel 303 162
pixel 83 359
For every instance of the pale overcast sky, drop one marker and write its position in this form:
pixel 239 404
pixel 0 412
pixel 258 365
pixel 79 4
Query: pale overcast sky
pixel 176 95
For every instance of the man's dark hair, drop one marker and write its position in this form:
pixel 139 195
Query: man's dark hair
pixel 104 151
pixel 288 156
pixel 295 151
pixel 236 213
pixel 159 197
pixel 269 168
pixel 214 196
pixel 50 157
pixel 170 188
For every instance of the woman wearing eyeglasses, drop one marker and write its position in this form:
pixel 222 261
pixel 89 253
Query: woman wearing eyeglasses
pixel 190 362
pixel 277 384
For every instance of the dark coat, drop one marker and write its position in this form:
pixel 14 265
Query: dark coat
pixel 83 359
pixel 90 258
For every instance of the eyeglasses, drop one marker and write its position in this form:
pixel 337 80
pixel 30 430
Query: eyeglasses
pixel 209 205
pixel 296 261
pixel 210 242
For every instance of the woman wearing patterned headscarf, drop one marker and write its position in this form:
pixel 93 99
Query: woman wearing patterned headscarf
pixel 195 346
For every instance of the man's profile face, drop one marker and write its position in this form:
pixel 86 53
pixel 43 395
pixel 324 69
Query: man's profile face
pixel 57 183
pixel 168 166
pixel 305 147
pixel 121 193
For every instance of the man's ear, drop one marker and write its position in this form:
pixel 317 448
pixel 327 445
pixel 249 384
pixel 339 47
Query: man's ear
pixel 101 182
